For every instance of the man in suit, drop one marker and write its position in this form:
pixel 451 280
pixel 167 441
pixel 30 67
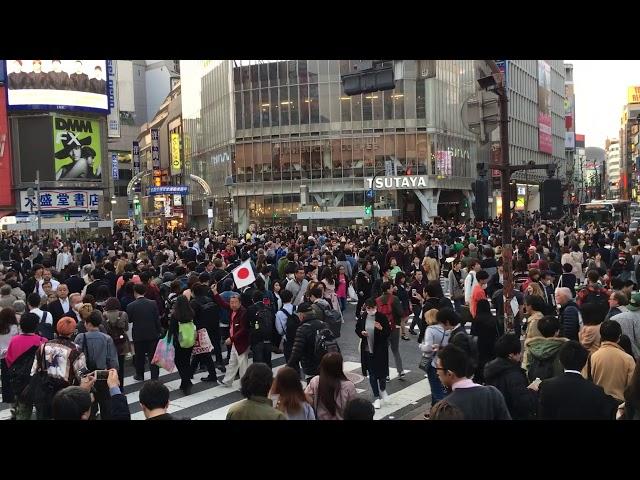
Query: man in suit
pixel 572 397
pixel 75 301
pixel 60 307
pixel 74 282
pixel 146 331
pixel 79 79
pixel 97 280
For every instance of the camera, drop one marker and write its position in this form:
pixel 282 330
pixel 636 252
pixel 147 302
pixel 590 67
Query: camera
pixel 102 375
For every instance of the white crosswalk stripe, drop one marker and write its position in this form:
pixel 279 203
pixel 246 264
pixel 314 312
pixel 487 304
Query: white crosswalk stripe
pixel 220 399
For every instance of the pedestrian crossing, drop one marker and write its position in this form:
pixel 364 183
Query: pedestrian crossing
pixel 212 402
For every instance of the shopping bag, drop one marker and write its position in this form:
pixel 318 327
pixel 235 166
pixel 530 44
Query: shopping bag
pixel 203 343
pixel 164 356
pixel 352 294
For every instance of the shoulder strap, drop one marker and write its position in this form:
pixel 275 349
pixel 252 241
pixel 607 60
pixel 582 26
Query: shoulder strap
pixel 589 373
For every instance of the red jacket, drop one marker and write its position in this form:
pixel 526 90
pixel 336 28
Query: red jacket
pixel 240 338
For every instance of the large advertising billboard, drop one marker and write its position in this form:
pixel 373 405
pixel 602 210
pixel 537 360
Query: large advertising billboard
pixel 6 188
pixel 76 143
pixel 545 140
pixel 113 119
pixel 58 85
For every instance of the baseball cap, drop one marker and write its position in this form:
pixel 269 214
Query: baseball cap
pixel 634 303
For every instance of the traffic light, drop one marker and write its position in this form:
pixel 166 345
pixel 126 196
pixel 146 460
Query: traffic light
pixel 480 189
pixel 482 169
pixel 67 217
pixel 369 200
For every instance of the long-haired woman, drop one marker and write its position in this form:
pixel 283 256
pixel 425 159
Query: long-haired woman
pixel 330 391
pixel 181 313
pixel 290 396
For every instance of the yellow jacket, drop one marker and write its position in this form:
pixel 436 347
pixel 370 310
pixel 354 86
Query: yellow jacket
pixel 611 368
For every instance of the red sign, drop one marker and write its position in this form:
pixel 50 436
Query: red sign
pixel 6 185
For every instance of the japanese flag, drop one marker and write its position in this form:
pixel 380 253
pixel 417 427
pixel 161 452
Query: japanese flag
pixel 243 275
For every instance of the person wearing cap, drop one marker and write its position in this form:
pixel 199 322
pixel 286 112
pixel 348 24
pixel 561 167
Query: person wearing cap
pixel 303 350
pixel 630 323
pixel 63 363
pixel 621 268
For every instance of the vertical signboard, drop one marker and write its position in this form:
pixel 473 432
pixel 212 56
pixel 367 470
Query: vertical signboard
pixel 114 166
pixel 176 163
pixel 113 119
pixel 6 188
pixel 77 147
pixel 135 159
pixel 155 157
pixel 545 140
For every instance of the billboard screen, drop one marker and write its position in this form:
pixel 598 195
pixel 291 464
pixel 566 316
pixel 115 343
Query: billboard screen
pixel 545 141
pixel 6 187
pixel 57 85
pixel 77 149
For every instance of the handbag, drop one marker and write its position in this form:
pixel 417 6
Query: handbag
pixel 203 342
pixel 164 356
pixel 424 363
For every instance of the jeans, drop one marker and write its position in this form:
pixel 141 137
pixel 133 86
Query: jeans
pixel 437 389
pixel 7 392
pixel 145 349
pixel 394 340
pixel 183 364
pixel 262 353
pixel 374 380
pixel 343 303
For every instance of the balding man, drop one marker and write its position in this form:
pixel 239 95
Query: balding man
pixel 570 320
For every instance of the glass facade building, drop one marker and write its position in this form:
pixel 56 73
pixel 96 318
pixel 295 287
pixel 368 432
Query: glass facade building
pixel 281 129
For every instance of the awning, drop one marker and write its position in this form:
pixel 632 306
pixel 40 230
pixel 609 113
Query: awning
pixel 6 213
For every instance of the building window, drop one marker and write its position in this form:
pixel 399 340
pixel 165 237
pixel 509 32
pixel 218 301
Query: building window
pixel 314 104
pixel 421 110
pixel 304 104
pixel 275 106
pixel 294 104
pixel 284 106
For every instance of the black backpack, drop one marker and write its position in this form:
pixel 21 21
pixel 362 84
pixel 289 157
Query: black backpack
pixel 20 371
pixel 325 342
pixel 597 297
pixel 541 368
pixel 262 325
pixel 45 329
pixel 470 346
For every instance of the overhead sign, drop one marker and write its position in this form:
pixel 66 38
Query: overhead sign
pixel 114 166
pixel 113 119
pixel 52 200
pixel 633 94
pixel 169 189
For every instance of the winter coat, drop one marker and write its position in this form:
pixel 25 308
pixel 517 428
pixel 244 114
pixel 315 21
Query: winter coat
pixel 589 337
pixel 304 344
pixel 117 325
pixel 611 368
pixel 508 377
pixel 380 345
pixel 543 349
pixel 569 320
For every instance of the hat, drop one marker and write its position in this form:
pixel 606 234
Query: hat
pixel 634 303
pixel 66 326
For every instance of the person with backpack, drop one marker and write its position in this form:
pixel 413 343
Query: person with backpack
pixel 206 318
pixel 374 330
pixel 116 323
pixel 569 314
pixel 58 364
pixel 324 311
pixel 459 337
pixel 19 361
pixel 261 327
pixel 287 323
pixel 389 305
pixel 594 292
pixel 100 354
pixel 45 326
pixel 542 352
pixel 309 342
pixel 182 331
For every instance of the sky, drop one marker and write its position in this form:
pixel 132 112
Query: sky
pixel 600 88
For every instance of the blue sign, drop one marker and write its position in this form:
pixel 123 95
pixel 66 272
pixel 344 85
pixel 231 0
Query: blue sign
pixel 169 189
pixel 503 66
pixel 110 79
pixel 3 72
pixel 114 166
pixel 370 193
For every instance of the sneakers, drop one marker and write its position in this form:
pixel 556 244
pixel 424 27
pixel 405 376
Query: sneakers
pixel 384 395
pixel 227 385
pixel 138 378
pixel 401 376
pixel 388 378
pixel 404 337
pixel 376 404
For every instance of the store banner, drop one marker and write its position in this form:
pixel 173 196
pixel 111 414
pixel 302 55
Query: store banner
pixel 77 148
pixel 169 189
pixel 6 186
pixel 155 148
pixel 135 159
pixel 113 119
pixel 176 163
pixel 545 139
pixel 52 200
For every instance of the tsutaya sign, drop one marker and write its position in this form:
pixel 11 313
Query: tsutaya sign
pixel 409 181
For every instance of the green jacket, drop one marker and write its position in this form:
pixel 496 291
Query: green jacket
pixel 282 264
pixel 545 348
pixel 255 408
